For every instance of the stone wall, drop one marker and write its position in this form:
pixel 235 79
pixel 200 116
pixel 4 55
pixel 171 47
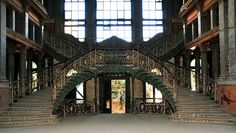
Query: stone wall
pixel 138 88
pixel 227 98
pixel 4 98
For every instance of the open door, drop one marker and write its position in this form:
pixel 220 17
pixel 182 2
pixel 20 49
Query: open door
pixel 118 96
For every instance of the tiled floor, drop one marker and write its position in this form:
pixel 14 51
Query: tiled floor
pixel 123 123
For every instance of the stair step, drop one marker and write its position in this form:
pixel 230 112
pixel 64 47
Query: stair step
pixel 202 120
pixel 8 113
pixel 23 104
pixel 28 123
pixel 40 108
pixel 25 118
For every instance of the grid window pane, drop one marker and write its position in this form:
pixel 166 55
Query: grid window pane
pixel 113 19
pixel 75 18
pixel 152 18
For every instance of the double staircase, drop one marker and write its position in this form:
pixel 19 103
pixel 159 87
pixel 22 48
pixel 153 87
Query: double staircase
pixel 193 106
pixel 35 109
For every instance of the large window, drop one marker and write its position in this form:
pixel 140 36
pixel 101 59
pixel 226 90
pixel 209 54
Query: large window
pixel 75 18
pixel 113 19
pixel 152 18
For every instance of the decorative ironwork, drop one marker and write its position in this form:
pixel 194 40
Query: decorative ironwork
pixel 55 77
pixel 72 107
pixel 141 106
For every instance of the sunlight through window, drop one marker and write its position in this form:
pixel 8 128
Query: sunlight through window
pixel 152 18
pixel 114 19
pixel 75 18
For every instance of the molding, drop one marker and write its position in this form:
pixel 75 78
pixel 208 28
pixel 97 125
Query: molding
pixel 204 38
pixel 23 40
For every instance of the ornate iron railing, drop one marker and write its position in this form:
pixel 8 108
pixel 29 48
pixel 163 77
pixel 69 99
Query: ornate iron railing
pixel 142 105
pixel 72 107
pixel 98 58
pixel 55 77
pixel 167 44
pixel 67 46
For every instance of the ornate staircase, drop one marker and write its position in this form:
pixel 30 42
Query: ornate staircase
pixel 35 109
pixel 197 107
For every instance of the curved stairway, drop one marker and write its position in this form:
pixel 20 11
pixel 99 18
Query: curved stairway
pixel 35 109
pixel 197 107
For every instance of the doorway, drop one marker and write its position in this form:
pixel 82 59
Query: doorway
pixel 114 96
pixel 118 96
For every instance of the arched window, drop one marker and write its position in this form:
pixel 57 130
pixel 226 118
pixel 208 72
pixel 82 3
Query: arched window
pixel 114 19
pixel 75 18
pixel 152 18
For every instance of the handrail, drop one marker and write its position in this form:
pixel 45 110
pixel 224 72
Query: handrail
pixel 55 77
pixel 64 46
pixel 166 44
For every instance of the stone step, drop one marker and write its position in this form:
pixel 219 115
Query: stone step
pixel 23 104
pixel 18 113
pixel 28 123
pixel 200 111
pixel 225 115
pixel 205 120
pixel 26 118
pixel 22 108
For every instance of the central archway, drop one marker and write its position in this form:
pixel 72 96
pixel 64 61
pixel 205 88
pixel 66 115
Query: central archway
pixel 115 68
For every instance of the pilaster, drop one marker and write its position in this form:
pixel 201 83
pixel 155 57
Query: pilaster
pixel 204 65
pixel 137 30
pixel 23 72
pixel 90 25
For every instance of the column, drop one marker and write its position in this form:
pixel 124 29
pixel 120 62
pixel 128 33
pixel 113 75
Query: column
pixel 3 38
pixel 50 71
pixel 40 73
pixel 11 62
pixel 137 29
pixel 197 69
pixel 232 37
pixel 23 71
pixel 186 63
pixel 29 70
pixel 193 33
pixel 96 93
pixel 204 65
pixel 227 79
pixel 223 24
pixel 90 25
pixel 177 72
pixel 26 22
pixel 199 17
pixel 215 61
pixel 212 17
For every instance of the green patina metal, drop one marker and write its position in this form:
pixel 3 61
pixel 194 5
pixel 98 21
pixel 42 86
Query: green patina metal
pixel 115 68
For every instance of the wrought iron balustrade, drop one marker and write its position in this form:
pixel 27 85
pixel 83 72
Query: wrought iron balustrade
pixel 65 46
pixel 55 77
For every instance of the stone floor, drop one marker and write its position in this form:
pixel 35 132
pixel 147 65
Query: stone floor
pixel 123 123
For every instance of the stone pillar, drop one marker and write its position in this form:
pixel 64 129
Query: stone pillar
pixel 23 71
pixel 137 30
pixel 40 74
pixel 26 22
pixel 197 69
pixel 223 29
pixel 90 25
pixel 212 17
pixel 3 47
pixel 4 85
pixel 96 101
pixel 33 32
pixel 215 61
pixel 227 79
pixel 199 17
pixel 29 70
pixel 186 63
pixel 193 29
pixel 11 63
pixel 13 20
pixel 204 65
pixel 50 71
